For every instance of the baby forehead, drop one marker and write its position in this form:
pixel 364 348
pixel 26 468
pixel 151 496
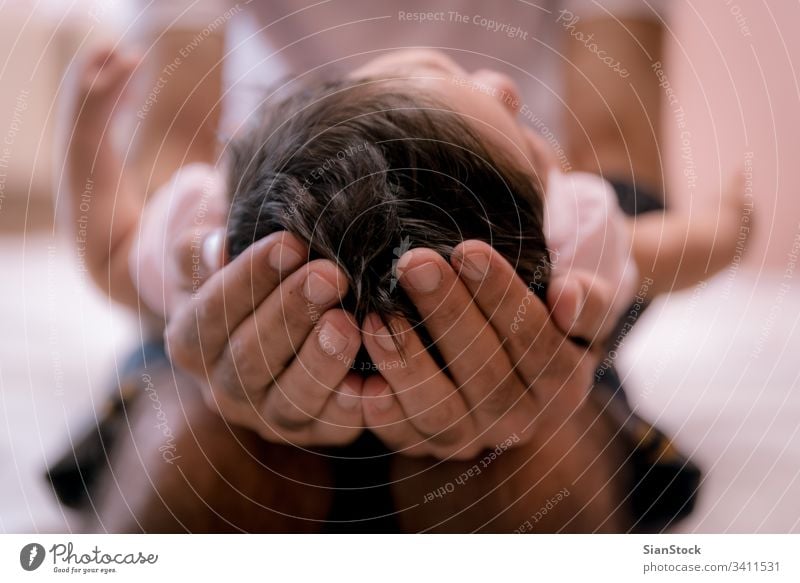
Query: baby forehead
pixel 407 60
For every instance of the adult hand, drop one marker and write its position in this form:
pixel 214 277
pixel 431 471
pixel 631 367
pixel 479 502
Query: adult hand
pixel 257 335
pixel 262 341
pixel 507 362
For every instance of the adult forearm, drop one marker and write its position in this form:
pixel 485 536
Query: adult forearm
pixel 675 251
pixel 178 108
pixel 613 112
pixel 570 479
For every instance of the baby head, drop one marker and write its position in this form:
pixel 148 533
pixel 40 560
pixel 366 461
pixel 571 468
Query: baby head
pixel 389 159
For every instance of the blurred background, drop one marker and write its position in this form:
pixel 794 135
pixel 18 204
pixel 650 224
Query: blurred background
pixel 716 366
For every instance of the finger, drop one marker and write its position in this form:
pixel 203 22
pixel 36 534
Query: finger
pixel 387 420
pixel 341 420
pixel 339 423
pixel 301 392
pixel 230 296
pixel 195 257
pixel 196 213
pixel 166 261
pixel 263 345
pixel 473 352
pixel 198 255
pixel 579 304
pixel 541 353
pixel 428 397
pixel 212 251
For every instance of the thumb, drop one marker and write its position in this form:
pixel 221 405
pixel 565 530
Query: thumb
pixel 580 306
pixel 213 251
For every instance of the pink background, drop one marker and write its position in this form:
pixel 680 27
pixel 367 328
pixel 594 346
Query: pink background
pixel 740 93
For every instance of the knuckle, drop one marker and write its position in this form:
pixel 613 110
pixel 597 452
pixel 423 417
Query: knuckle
pixel 326 366
pixel 226 376
pixel 297 312
pixel 250 365
pixel 484 373
pixel 288 415
pixel 208 310
pixel 235 415
pixel 182 346
pixel 312 394
pixel 440 428
pixel 269 434
pixel 235 412
pixel 516 422
pixel 464 453
pixel 500 398
pixel 209 398
pixel 435 419
pixel 525 437
pixel 449 311
pixel 527 334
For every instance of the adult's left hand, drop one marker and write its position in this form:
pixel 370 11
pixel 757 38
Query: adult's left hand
pixel 510 360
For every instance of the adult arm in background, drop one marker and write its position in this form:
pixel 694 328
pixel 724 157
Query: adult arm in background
pixel 613 119
pixel 172 96
pixel 612 113
pixel 178 113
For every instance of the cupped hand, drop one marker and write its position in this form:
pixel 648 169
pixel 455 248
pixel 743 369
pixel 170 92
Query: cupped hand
pixel 508 363
pixel 268 348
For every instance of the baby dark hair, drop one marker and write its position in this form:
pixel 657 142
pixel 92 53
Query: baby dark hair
pixel 363 171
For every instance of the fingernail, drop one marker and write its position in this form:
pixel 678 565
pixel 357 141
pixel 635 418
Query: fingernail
pixel 331 340
pixel 283 258
pixel 319 290
pixel 212 251
pixel 385 400
pixel 347 398
pixel 385 340
pixel 425 278
pixel 475 266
